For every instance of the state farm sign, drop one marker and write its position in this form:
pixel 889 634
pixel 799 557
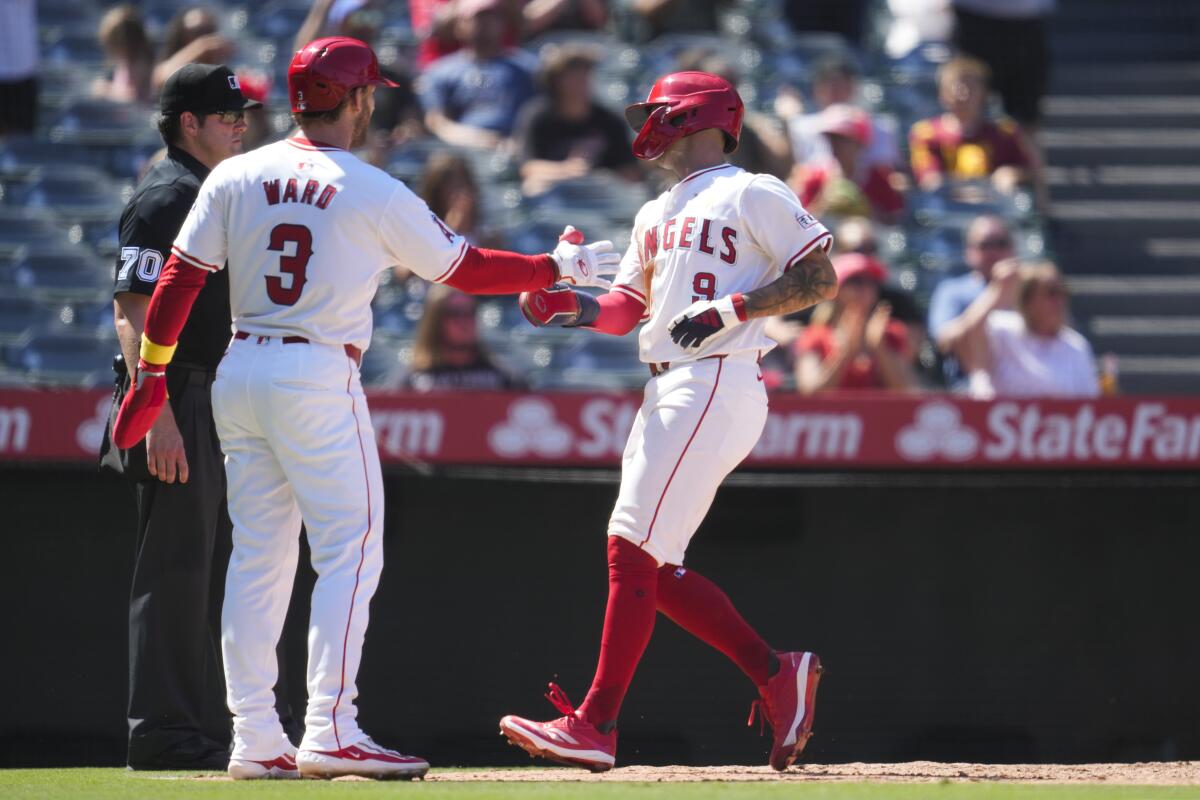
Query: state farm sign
pixel 849 431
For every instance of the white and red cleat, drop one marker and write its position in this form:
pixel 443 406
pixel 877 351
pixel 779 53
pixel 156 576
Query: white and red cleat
pixel 283 766
pixel 568 740
pixel 365 759
pixel 788 702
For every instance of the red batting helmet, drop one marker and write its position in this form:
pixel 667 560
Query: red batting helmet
pixel 325 71
pixel 681 104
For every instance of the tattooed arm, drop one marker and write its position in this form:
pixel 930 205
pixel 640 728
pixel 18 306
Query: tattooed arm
pixel 808 282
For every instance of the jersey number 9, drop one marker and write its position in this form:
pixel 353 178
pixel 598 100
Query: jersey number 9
pixel 705 286
pixel 294 265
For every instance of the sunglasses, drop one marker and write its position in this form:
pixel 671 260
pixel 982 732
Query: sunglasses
pixel 1003 243
pixel 229 117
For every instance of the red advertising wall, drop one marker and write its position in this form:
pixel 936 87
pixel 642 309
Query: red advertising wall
pixel 589 429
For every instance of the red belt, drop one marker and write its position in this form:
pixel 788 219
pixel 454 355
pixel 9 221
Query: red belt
pixel 352 351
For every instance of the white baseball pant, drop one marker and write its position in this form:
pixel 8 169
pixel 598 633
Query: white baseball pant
pixel 298 444
pixel 697 422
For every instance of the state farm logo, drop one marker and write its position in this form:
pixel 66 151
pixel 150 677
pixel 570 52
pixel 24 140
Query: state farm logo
pixel 90 432
pixel 14 429
pixel 938 431
pixel 409 432
pixel 531 429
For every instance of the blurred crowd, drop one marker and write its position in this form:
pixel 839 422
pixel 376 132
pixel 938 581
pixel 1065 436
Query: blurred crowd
pixel 908 126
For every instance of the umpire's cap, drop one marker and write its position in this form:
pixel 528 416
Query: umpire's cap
pixel 203 89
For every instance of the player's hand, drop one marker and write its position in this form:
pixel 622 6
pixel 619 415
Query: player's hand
pixel 584 264
pixel 706 318
pixel 165 456
pixel 141 406
pixel 558 306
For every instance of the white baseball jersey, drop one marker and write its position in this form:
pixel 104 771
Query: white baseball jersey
pixel 307 230
pixel 718 231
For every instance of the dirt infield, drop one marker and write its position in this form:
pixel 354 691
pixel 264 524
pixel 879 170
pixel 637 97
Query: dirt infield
pixel 1172 773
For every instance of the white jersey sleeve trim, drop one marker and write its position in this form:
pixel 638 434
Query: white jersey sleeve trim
pixel 193 261
pixel 632 292
pixel 825 240
pixel 445 276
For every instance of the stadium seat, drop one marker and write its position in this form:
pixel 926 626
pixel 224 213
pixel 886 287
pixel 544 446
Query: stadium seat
pixel 100 121
pixel 78 359
pixel 62 274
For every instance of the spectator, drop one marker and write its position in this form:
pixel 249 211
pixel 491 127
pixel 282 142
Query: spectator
pixel 446 353
pixel 358 19
pixel 1028 351
pixel 835 82
pixel 762 148
pixel 565 133
pixel 840 184
pixel 653 18
pixel 541 16
pixel 18 67
pixel 852 341
pixel 191 37
pixel 451 191
pixel 1010 37
pixel 962 143
pixel 916 23
pixel 434 22
pixel 127 48
pixel 988 242
pixel 846 17
pixel 472 97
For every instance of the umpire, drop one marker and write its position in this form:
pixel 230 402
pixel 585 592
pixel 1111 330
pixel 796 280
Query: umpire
pixel 178 471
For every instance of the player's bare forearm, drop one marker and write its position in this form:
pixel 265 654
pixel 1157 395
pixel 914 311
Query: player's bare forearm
pixel 129 317
pixel 809 281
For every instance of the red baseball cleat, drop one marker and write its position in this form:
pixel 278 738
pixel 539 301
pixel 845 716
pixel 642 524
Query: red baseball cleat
pixel 568 740
pixel 283 766
pixel 788 702
pixel 364 758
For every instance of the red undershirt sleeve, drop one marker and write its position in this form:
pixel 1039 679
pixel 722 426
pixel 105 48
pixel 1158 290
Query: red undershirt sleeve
pixel 501 272
pixel 619 313
pixel 172 300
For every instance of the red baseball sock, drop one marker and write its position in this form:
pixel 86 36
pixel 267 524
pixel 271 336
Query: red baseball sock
pixel 628 623
pixel 698 606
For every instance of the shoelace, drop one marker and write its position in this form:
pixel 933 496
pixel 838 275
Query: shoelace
pixel 560 700
pixel 759 708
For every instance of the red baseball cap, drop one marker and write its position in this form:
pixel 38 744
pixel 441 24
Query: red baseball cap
pixel 859 265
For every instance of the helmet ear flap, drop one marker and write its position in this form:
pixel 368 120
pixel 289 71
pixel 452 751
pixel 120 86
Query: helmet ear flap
pixel 656 134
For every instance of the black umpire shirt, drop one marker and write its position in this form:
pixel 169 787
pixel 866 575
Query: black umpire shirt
pixel 149 224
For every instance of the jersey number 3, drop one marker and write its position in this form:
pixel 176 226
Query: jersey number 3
pixel 294 265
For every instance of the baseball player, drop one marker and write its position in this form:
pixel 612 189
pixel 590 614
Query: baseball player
pixel 307 229
pixel 183 529
pixel 709 261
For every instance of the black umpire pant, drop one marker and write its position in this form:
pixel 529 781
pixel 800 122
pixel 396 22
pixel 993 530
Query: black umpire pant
pixel 183 544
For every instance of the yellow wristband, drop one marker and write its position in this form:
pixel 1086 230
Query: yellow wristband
pixel 153 353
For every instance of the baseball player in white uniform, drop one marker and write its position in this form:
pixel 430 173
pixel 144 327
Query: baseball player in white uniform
pixel 307 228
pixel 710 259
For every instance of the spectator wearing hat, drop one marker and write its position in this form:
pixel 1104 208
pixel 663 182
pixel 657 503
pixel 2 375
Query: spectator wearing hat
pixel 472 97
pixel 835 82
pixel 852 341
pixel 1028 351
pixel 841 184
pixel 178 472
pixel 130 55
pixel 565 133
pixel 962 143
pixel 18 67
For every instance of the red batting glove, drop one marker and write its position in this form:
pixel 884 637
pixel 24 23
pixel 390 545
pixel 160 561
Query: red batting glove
pixel 558 306
pixel 142 406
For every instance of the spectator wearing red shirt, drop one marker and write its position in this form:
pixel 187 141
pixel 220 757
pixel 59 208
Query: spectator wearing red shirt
pixel 842 184
pixel 962 143
pixel 852 342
